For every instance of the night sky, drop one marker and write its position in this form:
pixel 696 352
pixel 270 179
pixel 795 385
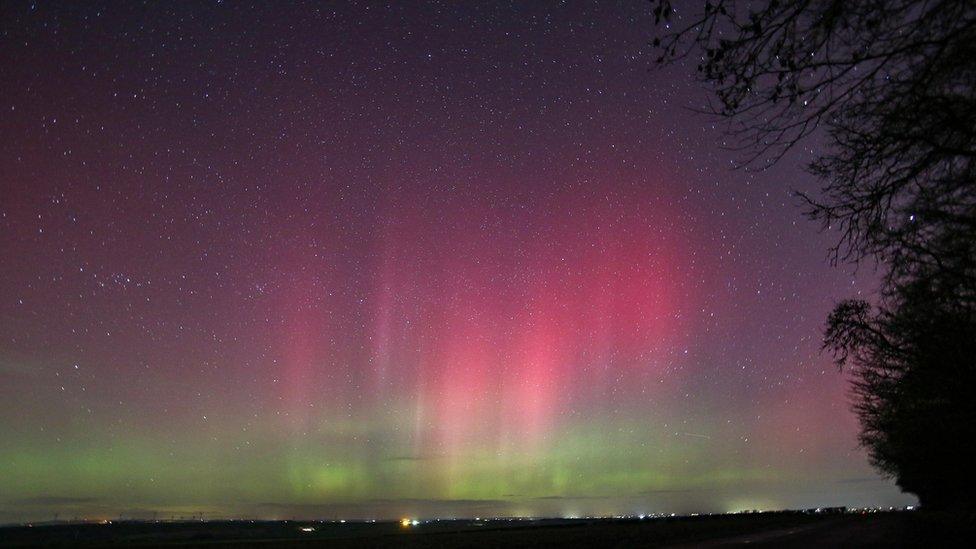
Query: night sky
pixel 375 261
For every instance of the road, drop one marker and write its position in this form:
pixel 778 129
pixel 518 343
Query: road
pixel 846 531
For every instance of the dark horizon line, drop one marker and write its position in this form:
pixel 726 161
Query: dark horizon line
pixel 423 520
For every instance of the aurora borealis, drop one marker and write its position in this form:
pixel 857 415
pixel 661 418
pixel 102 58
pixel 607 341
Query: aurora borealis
pixel 374 261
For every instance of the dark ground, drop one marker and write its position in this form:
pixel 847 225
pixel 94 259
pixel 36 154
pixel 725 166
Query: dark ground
pixel 766 529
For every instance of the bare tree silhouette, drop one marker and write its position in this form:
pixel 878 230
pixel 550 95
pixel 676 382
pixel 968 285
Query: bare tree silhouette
pixel 891 84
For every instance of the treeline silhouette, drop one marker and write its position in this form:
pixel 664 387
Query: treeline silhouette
pixel 890 85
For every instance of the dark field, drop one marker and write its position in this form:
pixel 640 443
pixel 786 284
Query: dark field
pixel 769 529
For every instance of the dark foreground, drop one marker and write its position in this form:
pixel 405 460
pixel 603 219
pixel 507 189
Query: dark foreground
pixel 766 529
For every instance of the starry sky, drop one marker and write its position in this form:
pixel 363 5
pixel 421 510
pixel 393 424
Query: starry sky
pixel 373 261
